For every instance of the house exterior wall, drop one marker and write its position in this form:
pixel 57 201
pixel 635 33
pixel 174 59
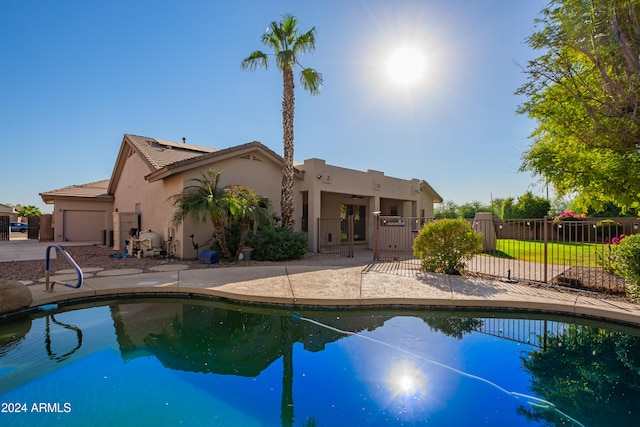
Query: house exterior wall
pixel 93 205
pixel 140 190
pixel 151 200
pixel 255 172
pixel 328 185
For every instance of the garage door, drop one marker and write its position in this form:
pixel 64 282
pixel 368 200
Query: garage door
pixel 83 226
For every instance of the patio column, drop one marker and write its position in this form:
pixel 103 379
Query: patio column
pixel 374 203
pixel 315 210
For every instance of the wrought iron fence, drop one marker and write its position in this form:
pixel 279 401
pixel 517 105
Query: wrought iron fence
pixel 535 250
pixel 4 227
pixel 336 236
pixel 534 332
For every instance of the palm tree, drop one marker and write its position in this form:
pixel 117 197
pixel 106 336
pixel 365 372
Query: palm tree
pixel 205 200
pixel 246 207
pixel 29 211
pixel 234 203
pixel 287 44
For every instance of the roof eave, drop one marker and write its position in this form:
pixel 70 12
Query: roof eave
pixel 199 161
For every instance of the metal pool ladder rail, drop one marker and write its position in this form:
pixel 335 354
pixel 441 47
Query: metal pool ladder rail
pixel 49 285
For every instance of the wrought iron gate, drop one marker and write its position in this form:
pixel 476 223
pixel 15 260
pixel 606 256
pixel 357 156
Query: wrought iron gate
pixel 336 236
pixel 393 237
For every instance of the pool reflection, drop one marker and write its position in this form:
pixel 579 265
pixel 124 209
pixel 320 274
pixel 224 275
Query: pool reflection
pixel 350 367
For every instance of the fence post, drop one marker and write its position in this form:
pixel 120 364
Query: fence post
pixel 376 235
pixel 350 237
pixel 546 241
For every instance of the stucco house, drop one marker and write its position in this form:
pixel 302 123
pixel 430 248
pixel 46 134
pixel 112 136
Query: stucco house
pixel 10 211
pixel 148 171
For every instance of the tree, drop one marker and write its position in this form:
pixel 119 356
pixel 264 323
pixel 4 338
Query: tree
pixel 469 210
pixel 590 373
pixel 584 93
pixel 527 206
pixel 287 45
pixel 206 200
pixel 29 211
pixel 447 209
pixel 247 208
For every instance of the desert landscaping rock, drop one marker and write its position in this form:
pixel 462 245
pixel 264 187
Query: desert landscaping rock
pixel 14 296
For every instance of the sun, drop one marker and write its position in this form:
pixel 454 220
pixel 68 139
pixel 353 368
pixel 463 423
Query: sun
pixel 406 66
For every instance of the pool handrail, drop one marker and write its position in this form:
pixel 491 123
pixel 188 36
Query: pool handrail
pixel 71 261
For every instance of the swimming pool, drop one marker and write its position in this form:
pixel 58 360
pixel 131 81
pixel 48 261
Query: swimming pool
pixel 198 362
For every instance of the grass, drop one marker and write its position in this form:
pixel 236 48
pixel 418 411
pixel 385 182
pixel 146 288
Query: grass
pixel 579 254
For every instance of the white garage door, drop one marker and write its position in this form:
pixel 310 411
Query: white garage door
pixel 83 226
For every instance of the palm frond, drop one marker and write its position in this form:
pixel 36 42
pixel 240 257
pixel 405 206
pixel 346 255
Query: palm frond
pixel 256 60
pixel 311 80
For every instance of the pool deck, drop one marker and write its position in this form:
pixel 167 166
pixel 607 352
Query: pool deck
pixel 322 280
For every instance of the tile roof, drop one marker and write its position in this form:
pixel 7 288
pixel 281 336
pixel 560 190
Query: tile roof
pixel 159 153
pixel 97 189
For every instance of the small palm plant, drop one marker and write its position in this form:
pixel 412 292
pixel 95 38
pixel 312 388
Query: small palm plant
pixel 247 208
pixel 206 200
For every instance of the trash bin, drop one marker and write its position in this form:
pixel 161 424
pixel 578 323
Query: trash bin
pixel 209 257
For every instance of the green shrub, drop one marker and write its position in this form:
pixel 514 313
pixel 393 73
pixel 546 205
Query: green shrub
pixel 445 245
pixel 628 263
pixel 277 244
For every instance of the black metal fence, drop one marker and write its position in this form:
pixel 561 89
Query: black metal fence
pixel 336 236
pixel 571 253
pixel 4 227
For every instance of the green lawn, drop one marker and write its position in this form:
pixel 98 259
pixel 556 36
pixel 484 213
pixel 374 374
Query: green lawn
pixel 579 254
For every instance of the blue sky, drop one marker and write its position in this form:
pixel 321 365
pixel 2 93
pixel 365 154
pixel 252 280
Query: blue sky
pixel 76 76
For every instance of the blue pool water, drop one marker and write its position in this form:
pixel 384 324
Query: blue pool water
pixel 193 363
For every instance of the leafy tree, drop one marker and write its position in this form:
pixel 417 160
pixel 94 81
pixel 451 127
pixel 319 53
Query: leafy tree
pixel 447 209
pixel 29 211
pixel 588 373
pixel 455 327
pixel 469 210
pixel 583 91
pixel 287 45
pixel 527 206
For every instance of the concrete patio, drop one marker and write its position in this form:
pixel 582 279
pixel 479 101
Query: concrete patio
pixel 323 281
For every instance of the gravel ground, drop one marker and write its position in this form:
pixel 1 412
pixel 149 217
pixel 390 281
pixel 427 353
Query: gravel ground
pixel 96 256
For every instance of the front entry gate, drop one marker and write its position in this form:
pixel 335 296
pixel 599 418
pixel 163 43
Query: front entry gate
pixel 336 236
pixel 393 237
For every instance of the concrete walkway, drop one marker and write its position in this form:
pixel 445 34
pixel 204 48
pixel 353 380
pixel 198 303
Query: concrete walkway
pixel 330 282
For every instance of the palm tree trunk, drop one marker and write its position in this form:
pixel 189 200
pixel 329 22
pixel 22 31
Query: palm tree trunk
pixel 218 231
pixel 244 231
pixel 288 100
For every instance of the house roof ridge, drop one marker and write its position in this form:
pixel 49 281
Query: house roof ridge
pixel 85 185
pixel 160 152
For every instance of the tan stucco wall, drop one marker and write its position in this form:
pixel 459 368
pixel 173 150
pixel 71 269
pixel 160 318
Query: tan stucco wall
pixel 257 173
pixel 79 205
pixel 151 200
pixel 328 185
